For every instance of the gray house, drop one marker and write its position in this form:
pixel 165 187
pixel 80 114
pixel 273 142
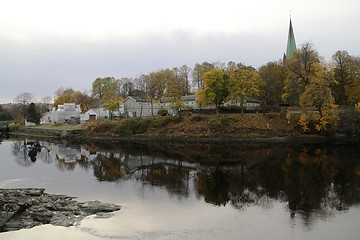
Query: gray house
pixel 139 107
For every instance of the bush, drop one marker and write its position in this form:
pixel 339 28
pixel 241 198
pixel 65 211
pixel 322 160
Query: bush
pixel 163 121
pixel 104 126
pixel 133 126
pixel 349 122
pixel 197 118
pixel 14 126
pixel 129 126
pixel 163 112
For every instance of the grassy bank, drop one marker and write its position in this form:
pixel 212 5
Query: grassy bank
pixel 221 127
pixel 198 126
pixel 59 127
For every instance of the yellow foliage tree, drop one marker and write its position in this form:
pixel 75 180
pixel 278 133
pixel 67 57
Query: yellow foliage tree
pixel 71 96
pixel 113 103
pixel 304 123
pixel 244 82
pixel 357 106
pixel 318 96
pixel 215 90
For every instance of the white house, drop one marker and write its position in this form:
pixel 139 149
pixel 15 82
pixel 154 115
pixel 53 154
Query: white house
pixel 249 104
pixel 99 113
pixel 62 113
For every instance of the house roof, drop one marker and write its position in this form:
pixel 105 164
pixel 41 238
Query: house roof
pixel 189 98
pixel 253 100
pixel 91 112
pixel 136 99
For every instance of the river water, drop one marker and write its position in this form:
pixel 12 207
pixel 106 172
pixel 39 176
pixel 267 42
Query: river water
pixel 194 191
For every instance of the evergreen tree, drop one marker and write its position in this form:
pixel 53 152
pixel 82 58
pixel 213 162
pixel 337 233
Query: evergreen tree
pixel 33 114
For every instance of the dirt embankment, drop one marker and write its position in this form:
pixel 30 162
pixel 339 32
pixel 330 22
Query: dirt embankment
pixel 228 126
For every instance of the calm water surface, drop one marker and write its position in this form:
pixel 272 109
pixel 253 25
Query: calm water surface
pixel 194 191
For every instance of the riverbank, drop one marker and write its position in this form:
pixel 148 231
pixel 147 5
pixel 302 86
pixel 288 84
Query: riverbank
pixel 272 127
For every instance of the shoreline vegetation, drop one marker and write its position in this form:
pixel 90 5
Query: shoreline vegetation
pixel 254 127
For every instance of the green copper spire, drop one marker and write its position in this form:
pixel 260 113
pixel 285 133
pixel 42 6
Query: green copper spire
pixel 291 45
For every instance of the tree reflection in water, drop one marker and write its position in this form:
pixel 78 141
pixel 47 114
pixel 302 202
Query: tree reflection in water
pixel 27 151
pixel 310 178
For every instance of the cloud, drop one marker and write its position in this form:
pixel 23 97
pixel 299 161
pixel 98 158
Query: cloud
pixel 54 62
pixel 45 45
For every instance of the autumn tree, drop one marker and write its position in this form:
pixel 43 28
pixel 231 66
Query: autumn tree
pixel 33 114
pixel 244 82
pixel 127 87
pixel 274 75
pixel 184 75
pixel 198 71
pixel 24 98
pixel 101 86
pixel 347 74
pixel 301 68
pixel 69 95
pixel 215 90
pixel 5 114
pixel 114 103
pixel 174 93
pixel 318 96
pixel 341 62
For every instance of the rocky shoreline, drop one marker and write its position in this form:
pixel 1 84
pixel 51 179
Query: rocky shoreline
pixel 30 207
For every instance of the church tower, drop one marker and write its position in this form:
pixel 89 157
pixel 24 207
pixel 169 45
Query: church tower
pixel 291 44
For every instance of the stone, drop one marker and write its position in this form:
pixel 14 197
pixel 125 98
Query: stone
pixel 30 207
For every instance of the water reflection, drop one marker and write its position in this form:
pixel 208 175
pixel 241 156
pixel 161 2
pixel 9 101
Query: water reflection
pixel 310 178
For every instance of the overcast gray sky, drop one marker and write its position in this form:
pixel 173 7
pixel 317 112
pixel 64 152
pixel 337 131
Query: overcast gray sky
pixel 45 45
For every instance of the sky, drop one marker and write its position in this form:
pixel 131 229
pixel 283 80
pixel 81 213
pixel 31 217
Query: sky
pixel 46 45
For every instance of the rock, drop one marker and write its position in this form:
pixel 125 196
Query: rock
pixel 27 208
pixel 94 207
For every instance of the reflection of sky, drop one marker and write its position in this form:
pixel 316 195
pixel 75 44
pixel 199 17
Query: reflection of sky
pixel 150 212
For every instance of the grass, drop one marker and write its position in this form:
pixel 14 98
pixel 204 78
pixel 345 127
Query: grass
pixel 59 126
pixel 129 126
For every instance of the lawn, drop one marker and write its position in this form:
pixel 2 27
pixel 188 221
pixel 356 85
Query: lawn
pixel 59 126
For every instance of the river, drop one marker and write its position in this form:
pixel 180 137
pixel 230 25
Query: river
pixel 193 190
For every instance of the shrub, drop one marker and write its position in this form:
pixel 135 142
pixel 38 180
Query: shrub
pixel 349 122
pixel 133 126
pixel 163 112
pixel 100 126
pixel 357 106
pixel 163 121
pixel 304 123
pixel 197 118
pixel 14 126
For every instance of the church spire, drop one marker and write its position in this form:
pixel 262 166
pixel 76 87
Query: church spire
pixel 291 45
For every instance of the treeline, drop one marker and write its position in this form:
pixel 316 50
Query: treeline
pixel 303 79
pixel 275 83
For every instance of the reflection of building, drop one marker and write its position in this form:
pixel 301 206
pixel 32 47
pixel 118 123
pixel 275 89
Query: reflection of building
pixel 64 153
